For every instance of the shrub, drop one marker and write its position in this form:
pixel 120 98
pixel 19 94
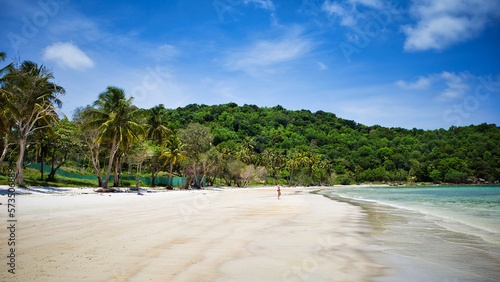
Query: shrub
pixel 454 176
pixel 435 175
pixel 344 180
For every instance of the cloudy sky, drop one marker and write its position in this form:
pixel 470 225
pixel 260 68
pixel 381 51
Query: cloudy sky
pixel 422 63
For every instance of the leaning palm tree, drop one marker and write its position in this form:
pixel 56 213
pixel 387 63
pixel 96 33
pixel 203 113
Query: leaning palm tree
pixel 116 118
pixel 31 100
pixel 6 125
pixel 5 120
pixel 156 130
pixel 173 154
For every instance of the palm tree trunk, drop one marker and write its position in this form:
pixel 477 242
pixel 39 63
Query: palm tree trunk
pixel 120 171
pixel 170 178
pixel 110 163
pixel 115 174
pixel 41 163
pixel 5 147
pixel 19 162
pixel 96 165
pixel 137 176
pixel 97 168
pixel 153 172
pixel 153 168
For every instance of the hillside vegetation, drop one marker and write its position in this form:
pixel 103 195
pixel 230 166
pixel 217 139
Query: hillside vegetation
pixel 223 144
pixel 324 144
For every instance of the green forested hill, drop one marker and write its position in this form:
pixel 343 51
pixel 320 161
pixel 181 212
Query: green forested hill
pixel 349 149
pixel 226 144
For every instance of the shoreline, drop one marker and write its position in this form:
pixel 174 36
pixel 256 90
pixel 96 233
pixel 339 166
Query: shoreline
pixel 213 235
pixel 88 190
pixel 426 246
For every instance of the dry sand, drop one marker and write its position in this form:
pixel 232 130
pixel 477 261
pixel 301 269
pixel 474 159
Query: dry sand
pixel 208 235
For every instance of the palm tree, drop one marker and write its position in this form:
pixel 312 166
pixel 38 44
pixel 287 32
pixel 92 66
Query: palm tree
pixel 5 120
pixel 292 162
pixel 31 100
pixel 156 130
pixel 5 130
pixel 6 125
pixel 173 154
pixel 246 152
pixel 115 117
pixel 86 139
pixel 267 156
pixel 278 161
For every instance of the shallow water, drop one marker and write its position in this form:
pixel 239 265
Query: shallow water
pixel 432 233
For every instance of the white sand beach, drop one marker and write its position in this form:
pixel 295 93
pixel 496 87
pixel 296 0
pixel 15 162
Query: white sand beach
pixel 205 235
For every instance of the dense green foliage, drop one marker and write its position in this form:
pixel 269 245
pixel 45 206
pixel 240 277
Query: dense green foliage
pixel 226 144
pixel 352 150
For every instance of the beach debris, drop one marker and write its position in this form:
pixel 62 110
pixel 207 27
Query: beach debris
pixel 104 190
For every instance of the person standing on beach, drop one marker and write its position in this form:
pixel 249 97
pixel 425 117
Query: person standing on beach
pixel 279 191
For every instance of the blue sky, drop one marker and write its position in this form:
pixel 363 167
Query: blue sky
pixel 422 63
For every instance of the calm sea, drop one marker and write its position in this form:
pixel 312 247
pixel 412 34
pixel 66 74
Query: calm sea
pixel 435 233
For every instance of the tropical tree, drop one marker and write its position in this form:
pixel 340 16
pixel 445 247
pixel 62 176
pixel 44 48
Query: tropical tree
pixel 198 140
pixel 246 150
pixel 267 160
pixel 292 162
pixel 246 175
pixel 173 154
pixel 211 164
pixel 41 138
pixel 278 162
pixel 156 131
pixel 61 144
pixel 6 122
pixel 115 117
pixel 86 139
pixel 31 100
pixel 139 152
pixel 6 125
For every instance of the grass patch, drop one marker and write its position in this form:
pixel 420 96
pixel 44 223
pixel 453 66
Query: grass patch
pixel 32 178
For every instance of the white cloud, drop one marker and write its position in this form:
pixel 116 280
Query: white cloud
pixel 264 4
pixel 266 53
pixel 421 83
pixel 165 52
pixel 457 86
pixel 448 85
pixel 347 11
pixel 67 55
pixel 441 24
pixel 347 17
pixel 322 66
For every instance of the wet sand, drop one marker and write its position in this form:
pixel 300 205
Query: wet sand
pixel 207 235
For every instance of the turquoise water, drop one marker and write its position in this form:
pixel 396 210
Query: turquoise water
pixel 438 233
